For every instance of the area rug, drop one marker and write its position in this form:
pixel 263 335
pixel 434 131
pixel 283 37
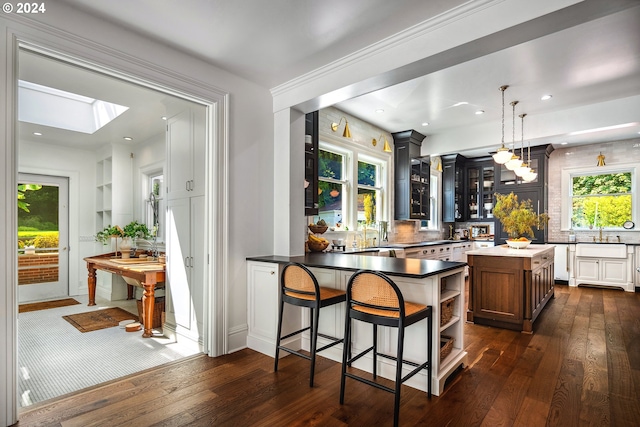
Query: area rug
pixel 99 319
pixel 35 306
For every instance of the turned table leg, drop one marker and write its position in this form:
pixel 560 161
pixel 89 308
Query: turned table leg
pixel 148 303
pixel 91 282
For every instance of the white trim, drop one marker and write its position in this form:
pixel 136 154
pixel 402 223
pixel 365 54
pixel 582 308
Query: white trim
pixel 566 196
pixel 53 42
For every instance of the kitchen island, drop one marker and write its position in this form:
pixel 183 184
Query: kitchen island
pixel 508 288
pixel 428 282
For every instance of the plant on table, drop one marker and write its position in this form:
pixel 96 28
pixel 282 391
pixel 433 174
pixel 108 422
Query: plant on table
pixel 518 217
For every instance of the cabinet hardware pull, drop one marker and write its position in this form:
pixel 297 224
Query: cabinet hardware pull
pixel 186 185
pixel 186 261
pixel 272 273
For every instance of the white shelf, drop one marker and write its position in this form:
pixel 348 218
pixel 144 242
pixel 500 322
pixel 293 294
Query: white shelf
pixel 451 322
pixel 448 293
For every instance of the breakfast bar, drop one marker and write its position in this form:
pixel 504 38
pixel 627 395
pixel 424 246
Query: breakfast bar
pixel 430 282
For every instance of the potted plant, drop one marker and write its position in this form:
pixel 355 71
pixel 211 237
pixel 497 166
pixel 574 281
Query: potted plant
pixel 104 236
pixel 518 219
pixel 130 232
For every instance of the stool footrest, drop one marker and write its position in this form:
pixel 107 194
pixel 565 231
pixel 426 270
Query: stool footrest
pixel 371 383
pixel 331 344
pixel 296 352
pixel 359 355
pixel 299 331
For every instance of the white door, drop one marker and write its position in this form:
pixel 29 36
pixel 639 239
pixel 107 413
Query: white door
pixel 43 230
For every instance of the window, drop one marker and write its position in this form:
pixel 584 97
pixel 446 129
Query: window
pixel 351 186
pixel 155 207
pixel 601 200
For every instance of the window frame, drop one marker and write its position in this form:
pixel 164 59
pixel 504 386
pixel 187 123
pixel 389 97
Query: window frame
pixel 353 153
pixel 567 175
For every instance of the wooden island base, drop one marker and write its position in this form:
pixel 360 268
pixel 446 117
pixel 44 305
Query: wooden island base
pixel 508 288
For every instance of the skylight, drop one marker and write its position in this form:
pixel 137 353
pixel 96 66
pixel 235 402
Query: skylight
pixel 47 106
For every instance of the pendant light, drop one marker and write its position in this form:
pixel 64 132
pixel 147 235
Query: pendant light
pixel 531 175
pixel 524 167
pixel 515 161
pixel 503 155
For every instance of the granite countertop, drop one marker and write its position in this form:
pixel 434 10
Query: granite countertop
pixel 406 267
pixel 503 250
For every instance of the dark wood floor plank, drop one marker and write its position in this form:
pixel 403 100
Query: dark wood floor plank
pixel 581 367
pixel 567 397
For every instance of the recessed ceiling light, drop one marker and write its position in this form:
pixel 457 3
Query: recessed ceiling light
pixel 128 138
pixel 479 112
pixel 425 124
pixel 564 143
pixel 457 104
pixel 379 111
pixel 37 134
pixel 546 97
pixel 164 117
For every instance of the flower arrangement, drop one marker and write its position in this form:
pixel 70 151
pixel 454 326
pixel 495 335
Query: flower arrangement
pixel 518 217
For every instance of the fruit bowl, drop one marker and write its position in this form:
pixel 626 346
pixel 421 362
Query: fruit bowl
pixel 518 244
pixel 317 246
pixel 318 229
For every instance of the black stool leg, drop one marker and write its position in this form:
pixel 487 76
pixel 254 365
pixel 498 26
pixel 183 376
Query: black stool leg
pixel 396 405
pixel 275 364
pixel 345 352
pixel 315 318
pixel 375 351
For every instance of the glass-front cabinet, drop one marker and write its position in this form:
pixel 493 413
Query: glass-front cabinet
pixel 420 170
pixel 480 190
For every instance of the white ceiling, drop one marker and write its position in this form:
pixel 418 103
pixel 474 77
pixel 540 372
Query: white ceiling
pixel 593 64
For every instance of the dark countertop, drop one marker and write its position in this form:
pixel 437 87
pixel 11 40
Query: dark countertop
pixel 406 267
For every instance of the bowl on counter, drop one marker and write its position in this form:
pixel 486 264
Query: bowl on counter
pixel 338 242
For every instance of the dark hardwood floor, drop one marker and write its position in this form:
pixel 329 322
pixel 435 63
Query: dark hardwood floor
pixel 581 367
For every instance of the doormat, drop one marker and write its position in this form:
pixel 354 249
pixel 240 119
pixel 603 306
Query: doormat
pixel 35 306
pixel 100 319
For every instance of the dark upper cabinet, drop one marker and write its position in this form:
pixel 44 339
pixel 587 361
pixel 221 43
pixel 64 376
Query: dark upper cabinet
pixel 536 191
pixel 453 208
pixel 479 188
pixel 311 165
pixel 412 174
pixel 508 181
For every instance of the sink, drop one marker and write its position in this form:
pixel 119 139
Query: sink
pixel 599 250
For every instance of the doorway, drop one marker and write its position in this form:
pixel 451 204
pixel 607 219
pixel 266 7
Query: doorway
pixel 43 237
pixel 106 187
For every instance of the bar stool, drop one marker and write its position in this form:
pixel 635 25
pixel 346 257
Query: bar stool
pixel 300 287
pixel 374 298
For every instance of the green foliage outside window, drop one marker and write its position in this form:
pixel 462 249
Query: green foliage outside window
pixel 602 200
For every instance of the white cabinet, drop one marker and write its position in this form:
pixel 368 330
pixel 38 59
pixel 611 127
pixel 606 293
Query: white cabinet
pixel 262 304
pixel 610 270
pixel 186 264
pixel 562 262
pixel 602 265
pixel 479 244
pixel 186 145
pixel 437 252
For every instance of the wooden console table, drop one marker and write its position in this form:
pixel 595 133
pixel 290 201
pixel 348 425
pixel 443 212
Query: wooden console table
pixel 149 275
